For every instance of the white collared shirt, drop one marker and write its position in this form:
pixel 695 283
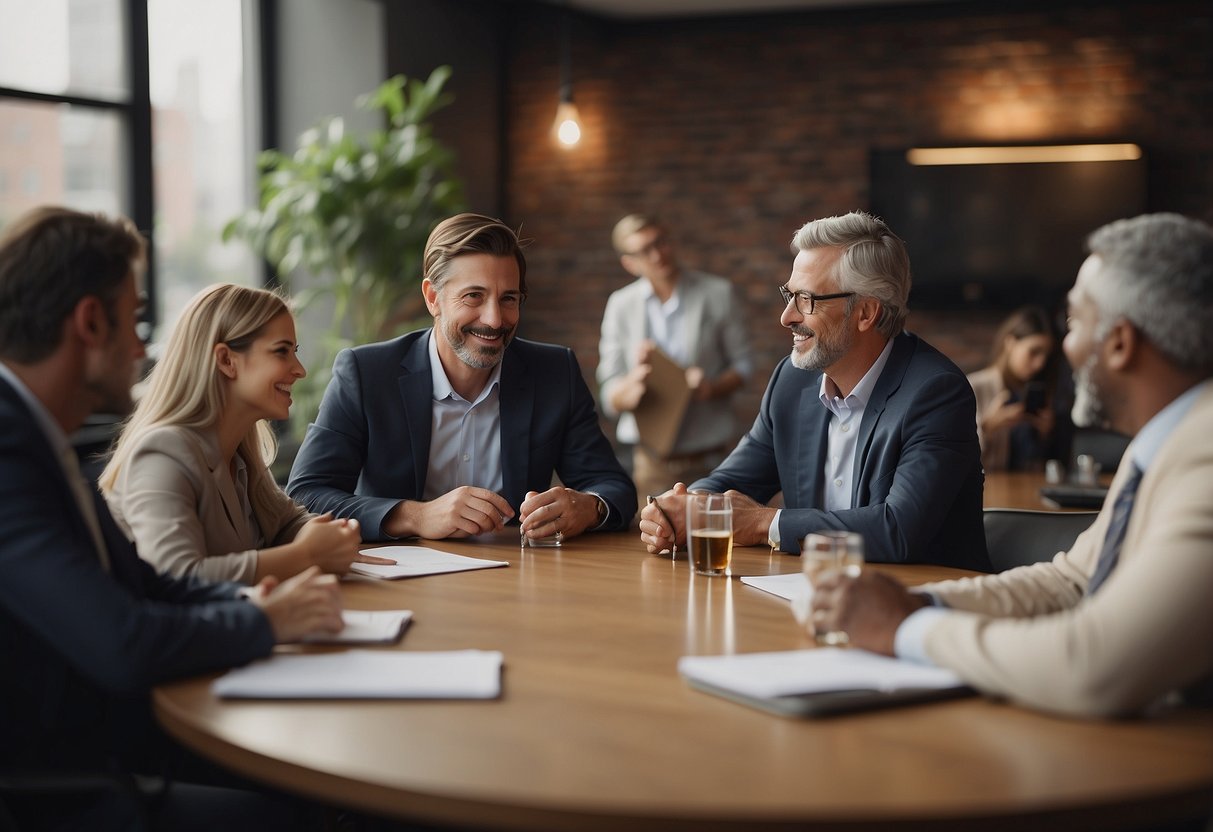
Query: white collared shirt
pixel 665 324
pixel 465 437
pixel 846 417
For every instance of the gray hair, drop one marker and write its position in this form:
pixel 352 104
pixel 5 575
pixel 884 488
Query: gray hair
pixel 1158 274
pixel 874 262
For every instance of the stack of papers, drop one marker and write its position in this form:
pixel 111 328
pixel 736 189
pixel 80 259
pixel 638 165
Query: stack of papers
pixel 415 561
pixel 367 627
pixel 818 681
pixel 367 674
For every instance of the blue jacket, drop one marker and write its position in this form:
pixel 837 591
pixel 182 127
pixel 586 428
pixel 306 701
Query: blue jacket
pixel 80 648
pixel 369 447
pixel 917 484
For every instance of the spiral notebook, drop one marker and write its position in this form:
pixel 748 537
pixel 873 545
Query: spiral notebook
pixel 819 682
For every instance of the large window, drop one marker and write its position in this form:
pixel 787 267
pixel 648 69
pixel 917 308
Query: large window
pixel 140 107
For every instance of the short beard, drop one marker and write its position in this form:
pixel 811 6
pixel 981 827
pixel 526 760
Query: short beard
pixel 826 351
pixel 481 358
pixel 1089 410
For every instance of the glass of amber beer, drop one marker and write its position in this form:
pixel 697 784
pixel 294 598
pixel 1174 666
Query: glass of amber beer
pixel 710 533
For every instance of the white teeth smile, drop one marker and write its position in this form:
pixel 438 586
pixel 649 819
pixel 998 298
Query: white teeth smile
pixel 283 388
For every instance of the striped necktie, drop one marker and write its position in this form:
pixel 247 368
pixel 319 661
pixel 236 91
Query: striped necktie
pixel 1116 531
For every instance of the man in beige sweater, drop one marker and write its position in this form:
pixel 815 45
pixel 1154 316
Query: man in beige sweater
pixel 1124 618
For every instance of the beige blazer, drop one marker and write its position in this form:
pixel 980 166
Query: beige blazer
pixel 1031 635
pixel 181 508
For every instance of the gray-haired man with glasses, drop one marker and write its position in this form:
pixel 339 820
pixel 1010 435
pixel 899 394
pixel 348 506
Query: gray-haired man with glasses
pixel 864 427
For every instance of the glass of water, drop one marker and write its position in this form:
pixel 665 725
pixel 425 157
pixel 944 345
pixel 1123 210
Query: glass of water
pixel 830 551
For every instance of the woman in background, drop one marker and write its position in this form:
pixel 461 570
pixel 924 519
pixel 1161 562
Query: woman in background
pixel 188 478
pixel 1014 398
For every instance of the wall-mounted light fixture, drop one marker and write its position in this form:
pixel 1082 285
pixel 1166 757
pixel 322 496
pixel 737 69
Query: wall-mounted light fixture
pixel 567 126
pixel 1022 154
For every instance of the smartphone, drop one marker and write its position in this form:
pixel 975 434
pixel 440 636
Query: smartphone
pixel 1034 397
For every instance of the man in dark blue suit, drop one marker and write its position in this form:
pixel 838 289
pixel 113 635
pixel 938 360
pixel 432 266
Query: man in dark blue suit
pixel 455 430
pixel 864 427
pixel 86 627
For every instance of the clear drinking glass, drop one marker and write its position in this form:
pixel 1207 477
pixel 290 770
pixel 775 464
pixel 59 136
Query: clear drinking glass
pixel 825 552
pixel 552 541
pixel 710 533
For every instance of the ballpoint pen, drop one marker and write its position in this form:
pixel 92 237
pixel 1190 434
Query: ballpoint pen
pixel 652 501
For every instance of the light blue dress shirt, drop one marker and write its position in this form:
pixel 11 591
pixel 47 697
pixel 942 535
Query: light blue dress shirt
pixel 465 437
pixel 846 415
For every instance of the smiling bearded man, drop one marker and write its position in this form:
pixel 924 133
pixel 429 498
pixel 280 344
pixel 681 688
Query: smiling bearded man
pixel 458 429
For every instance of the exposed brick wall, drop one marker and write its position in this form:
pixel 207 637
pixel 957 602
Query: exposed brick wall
pixel 739 131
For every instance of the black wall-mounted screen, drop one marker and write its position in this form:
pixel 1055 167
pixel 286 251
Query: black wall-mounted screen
pixel 999 235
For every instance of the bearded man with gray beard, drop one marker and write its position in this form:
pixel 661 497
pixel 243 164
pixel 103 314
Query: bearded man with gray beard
pixel 864 427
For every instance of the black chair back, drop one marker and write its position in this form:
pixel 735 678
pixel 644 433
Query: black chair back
pixel 1106 446
pixel 1017 537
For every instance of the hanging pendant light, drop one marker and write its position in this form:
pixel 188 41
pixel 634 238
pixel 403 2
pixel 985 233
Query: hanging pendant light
pixel 567 126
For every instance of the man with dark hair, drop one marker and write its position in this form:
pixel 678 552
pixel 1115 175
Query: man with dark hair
pixel 1123 618
pixel 454 430
pixel 86 627
pixel 863 427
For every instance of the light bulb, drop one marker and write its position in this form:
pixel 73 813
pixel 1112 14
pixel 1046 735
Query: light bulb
pixel 568 124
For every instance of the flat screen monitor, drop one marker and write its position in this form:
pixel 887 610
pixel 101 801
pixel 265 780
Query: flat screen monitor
pixel 999 235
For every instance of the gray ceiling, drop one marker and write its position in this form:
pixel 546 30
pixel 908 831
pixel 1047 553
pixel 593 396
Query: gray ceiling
pixel 632 9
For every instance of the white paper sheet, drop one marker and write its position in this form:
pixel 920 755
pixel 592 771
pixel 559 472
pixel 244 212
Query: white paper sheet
pixel 367 674
pixel 791 587
pixel 415 561
pixel 367 627
pixel 792 672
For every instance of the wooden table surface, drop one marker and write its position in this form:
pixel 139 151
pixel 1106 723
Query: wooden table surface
pixel 1021 489
pixel 595 729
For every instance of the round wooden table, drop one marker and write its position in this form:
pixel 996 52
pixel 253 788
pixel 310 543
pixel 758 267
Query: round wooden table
pixel 595 729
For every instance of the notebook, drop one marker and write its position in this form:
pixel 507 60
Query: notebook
pixel 819 682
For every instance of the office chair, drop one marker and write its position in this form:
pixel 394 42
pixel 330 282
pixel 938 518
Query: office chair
pixel 16 784
pixel 1106 446
pixel 1017 537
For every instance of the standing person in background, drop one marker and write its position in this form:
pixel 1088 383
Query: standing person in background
pixel 1014 394
pixel 86 627
pixel 189 480
pixel 694 318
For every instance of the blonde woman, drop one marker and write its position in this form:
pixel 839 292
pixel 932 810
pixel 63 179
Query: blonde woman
pixel 188 477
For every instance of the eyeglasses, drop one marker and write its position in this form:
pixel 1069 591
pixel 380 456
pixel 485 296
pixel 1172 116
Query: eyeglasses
pixel 808 299
pixel 647 251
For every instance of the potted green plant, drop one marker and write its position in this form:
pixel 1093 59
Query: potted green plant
pixel 355 212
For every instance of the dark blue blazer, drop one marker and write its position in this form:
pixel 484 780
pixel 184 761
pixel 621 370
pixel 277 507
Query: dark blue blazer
pixel 369 447
pixel 917 483
pixel 80 647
